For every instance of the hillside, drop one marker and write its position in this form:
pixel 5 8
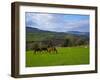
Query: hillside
pixel 34 34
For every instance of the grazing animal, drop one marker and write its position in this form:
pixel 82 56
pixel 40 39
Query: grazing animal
pixel 40 50
pixel 44 49
pixel 37 50
pixel 52 49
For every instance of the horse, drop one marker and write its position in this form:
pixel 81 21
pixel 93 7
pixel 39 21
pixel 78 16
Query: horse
pixel 52 49
pixel 45 49
pixel 37 50
pixel 40 50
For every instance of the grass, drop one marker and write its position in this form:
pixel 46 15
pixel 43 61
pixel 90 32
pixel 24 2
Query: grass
pixel 65 56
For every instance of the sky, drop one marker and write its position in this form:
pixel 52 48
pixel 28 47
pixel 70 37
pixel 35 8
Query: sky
pixel 57 22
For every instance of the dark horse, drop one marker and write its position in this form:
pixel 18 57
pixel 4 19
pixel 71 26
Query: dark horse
pixel 49 49
pixel 40 50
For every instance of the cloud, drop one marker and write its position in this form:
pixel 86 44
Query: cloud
pixel 42 21
pixel 55 22
pixel 75 24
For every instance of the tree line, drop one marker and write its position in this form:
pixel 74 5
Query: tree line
pixel 68 41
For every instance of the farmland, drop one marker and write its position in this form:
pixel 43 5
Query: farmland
pixel 66 34
pixel 65 56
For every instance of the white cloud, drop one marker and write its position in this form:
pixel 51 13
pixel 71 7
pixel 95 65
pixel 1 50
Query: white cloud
pixel 75 24
pixel 49 22
pixel 43 21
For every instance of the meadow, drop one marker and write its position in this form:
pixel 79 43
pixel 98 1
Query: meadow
pixel 64 56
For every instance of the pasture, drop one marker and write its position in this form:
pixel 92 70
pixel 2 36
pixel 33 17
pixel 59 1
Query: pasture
pixel 65 56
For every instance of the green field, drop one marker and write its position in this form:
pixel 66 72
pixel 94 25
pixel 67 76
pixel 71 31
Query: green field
pixel 65 56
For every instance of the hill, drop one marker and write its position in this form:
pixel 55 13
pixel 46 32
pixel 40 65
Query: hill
pixel 34 34
pixel 78 33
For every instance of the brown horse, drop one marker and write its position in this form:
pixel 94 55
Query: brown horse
pixel 52 49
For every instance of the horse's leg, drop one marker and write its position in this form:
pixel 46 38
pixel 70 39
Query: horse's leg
pixel 55 50
pixel 34 51
pixel 40 51
pixel 49 51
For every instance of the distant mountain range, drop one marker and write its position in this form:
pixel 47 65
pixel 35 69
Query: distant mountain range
pixel 78 33
pixel 33 30
pixel 34 34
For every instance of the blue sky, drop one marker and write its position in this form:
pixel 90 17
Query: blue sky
pixel 57 22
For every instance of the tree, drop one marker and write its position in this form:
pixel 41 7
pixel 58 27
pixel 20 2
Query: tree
pixel 66 43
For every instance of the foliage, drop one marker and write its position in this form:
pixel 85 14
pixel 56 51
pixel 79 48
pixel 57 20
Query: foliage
pixel 58 39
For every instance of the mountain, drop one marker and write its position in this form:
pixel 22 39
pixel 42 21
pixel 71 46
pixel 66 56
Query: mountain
pixel 32 30
pixel 34 34
pixel 78 33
